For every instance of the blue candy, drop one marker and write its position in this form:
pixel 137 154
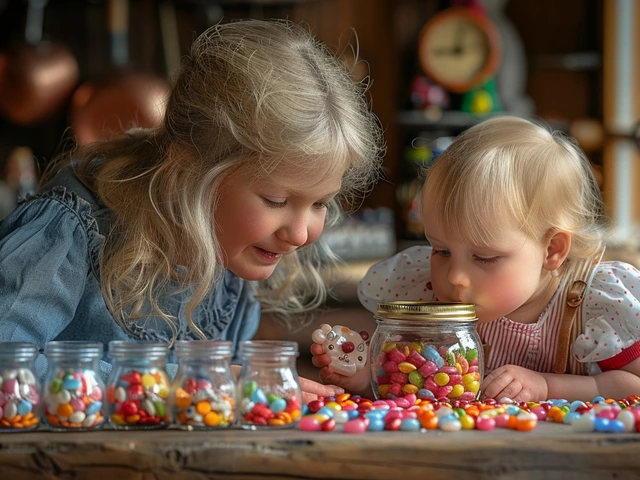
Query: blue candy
pixel 93 408
pixel 258 396
pixel 410 425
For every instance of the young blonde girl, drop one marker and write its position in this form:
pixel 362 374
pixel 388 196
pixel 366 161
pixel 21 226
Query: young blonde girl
pixel 516 226
pixel 164 234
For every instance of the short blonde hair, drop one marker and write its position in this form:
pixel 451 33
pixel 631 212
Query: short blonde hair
pixel 507 170
pixel 251 93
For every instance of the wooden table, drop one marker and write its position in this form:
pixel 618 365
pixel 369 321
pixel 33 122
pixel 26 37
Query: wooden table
pixel 552 451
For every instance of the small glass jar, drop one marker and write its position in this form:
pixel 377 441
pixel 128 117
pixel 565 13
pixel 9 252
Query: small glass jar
pixel 426 349
pixel 19 387
pixel 74 390
pixel 269 392
pixel 138 386
pixel 203 393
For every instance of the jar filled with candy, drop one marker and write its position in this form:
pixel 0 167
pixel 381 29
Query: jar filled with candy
pixel 268 387
pixel 19 387
pixel 426 350
pixel 138 386
pixel 204 391
pixel 74 390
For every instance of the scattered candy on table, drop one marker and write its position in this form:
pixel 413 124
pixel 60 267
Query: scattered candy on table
pixel 73 399
pixel 139 399
pixel 410 413
pixel 197 403
pixel 258 408
pixel 19 399
pixel 427 372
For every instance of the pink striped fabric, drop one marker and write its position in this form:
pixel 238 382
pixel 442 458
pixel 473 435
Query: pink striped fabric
pixel 528 345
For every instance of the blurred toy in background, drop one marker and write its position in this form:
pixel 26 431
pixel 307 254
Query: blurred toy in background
pixel 19 179
pixel 482 99
pixel 347 348
pixel 428 96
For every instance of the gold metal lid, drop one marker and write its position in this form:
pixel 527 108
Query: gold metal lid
pixel 440 311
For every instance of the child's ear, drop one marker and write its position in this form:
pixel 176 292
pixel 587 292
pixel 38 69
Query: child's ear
pixel 558 247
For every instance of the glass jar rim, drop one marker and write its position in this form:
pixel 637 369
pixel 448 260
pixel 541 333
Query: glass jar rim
pixel 204 348
pixel 427 311
pixel 73 347
pixel 268 347
pixel 18 350
pixel 124 348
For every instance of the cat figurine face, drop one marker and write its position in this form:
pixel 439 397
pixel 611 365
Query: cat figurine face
pixel 347 348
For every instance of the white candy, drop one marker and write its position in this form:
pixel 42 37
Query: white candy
pixel 148 406
pixel 120 394
pixel 10 410
pixel 63 396
pixel 89 421
pixel 77 417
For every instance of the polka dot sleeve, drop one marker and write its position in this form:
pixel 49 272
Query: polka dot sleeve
pixel 611 317
pixel 402 277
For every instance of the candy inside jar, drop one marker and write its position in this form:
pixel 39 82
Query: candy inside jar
pixel 426 350
pixel 138 386
pixel 269 392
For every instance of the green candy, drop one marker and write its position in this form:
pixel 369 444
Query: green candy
pixel 159 408
pixel 55 386
pixel 249 388
pixel 272 397
pixel 416 378
pixel 451 358
pixel 472 354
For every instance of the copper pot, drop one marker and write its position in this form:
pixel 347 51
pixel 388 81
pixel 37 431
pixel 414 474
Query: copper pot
pixel 37 78
pixel 108 106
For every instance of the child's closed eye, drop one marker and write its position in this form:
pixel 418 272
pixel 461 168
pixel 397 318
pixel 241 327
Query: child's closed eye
pixel 486 259
pixel 442 253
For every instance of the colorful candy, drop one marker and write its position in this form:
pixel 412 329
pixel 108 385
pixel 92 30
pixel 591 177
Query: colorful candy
pixel 19 399
pixel 264 409
pixel 197 403
pixel 73 400
pixel 416 368
pixel 138 399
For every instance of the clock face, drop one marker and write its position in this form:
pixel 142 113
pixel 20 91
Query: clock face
pixel 459 49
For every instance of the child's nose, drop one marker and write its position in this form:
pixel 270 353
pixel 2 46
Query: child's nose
pixel 457 275
pixel 295 232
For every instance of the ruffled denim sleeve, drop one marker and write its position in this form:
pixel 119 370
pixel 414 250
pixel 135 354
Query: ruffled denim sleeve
pixel 43 268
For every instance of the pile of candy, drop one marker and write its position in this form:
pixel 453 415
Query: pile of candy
pixel 408 369
pixel 73 399
pixel 139 399
pixel 409 413
pixel 198 403
pixel 267 409
pixel 19 399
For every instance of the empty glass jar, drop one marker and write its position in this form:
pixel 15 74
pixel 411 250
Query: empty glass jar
pixel 74 390
pixel 426 349
pixel 19 387
pixel 203 393
pixel 268 387
pixel 138 386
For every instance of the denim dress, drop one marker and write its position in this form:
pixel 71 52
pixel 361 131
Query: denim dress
pixel 50 289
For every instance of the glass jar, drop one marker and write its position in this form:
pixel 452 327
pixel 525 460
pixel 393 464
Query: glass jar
pixel 268 387
pixel 74 390
pixel 203 393
pixel 138 387
pixel 426 349
pixel 19 387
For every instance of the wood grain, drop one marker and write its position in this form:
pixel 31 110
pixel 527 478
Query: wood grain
pixel 551 451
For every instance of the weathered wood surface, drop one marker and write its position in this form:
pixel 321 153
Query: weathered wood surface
pixel 551 452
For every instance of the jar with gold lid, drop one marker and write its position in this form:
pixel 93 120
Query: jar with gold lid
pixel 426 349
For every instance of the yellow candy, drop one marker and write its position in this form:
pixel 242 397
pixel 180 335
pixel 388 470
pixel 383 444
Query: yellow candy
pixel 468 378
pixel 148 381
pixel 473 387
pixel 333 406
pixel 457 391
pixel 441 379
pixel 117 419
pixel 383 389
pixel 132 418
pixel 417 347
pixel 467 422
pixel 387 347
pixel 406 367
pixel 409 388
pixel 459 367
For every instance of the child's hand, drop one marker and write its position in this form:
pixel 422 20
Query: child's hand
pixel 312 390
pixel 517 383
pixel 359 383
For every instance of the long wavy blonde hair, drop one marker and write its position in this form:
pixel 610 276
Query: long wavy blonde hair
pixel 250 93
pixel 512 171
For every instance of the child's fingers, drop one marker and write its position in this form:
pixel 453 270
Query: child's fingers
pixel 321 361
pixel 317 349
pixel 318 389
